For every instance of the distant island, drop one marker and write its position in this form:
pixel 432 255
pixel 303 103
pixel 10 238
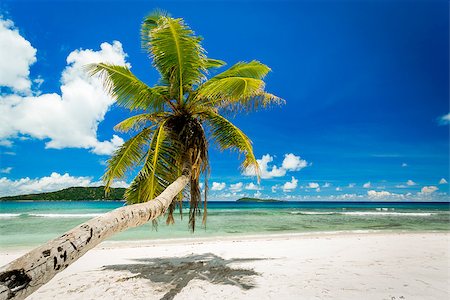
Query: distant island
pixel 72 194
pixel 94 193
pixel 246 199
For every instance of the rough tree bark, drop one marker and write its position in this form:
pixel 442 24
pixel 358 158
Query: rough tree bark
pixel 26 274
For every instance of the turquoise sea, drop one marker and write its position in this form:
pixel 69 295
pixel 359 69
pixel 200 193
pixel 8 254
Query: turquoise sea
pixel 26 224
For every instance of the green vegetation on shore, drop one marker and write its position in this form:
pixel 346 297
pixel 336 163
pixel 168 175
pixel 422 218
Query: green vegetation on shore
pixel 73 194
pixel 246 199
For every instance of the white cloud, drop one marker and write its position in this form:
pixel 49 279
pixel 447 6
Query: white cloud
pixel 218 186
pixel 410 183
pixel 351 185
pixel 318 189
pixel 237 187
pixel 257 194
pixel 292 162
pixel 444 120
pixel 401 186
pixel 17 55
pixel 115 184
pixel 347 196
pixel 367 185
pixel 429 189
pixel 68 119
pixel 404 165
pixel 313 185
pixel 50 183
pixel 275 188
pixel 252 187
pixel 338 189
pixel 266 170
pixel 290 185
pixel 326 185
pixel 443 181
pixel 377 195
pixel 6 170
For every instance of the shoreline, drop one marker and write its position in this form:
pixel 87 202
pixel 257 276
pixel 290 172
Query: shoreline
pixel 138 243
pixel 325 265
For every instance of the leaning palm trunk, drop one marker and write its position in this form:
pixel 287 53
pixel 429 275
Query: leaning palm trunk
pixel 26 274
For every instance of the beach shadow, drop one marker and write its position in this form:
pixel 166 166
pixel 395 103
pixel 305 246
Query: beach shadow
pixel 179 271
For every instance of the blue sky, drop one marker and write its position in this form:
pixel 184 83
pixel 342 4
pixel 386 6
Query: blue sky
pixel 366 85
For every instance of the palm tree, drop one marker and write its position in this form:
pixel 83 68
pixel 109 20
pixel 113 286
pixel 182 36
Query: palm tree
pixel 170 144
pixel 177 113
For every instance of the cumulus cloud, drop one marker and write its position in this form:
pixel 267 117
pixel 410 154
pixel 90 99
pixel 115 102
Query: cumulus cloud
pixel 429 189
pixel 377 195
pixel 444 120
pixel 351 185
pixel 252 187
pixel 338 189
pixel 218 186
pixel 50 183
pixel 274 188
pixel 236 187
pixel 443 181
pixel 404 165
pixel 290 185
pixel 367 185
pixel 266 170
pixel 257 194
pixel 68 119
pixel 290 162
pixel 17 55
pixel 313 185
pixel 6 170
pixel 326 185
pixel 410 183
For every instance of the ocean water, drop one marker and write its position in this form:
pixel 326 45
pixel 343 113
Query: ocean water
pixel 25 224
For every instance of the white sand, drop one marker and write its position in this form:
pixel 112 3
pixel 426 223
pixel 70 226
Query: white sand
pixel 320 266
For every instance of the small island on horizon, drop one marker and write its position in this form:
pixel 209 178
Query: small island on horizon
pixel 72 194
pixel 247 199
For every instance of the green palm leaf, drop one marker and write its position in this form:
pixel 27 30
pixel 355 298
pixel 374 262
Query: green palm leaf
pixel 138 121
pixel 126 157
pixel 176 53
pixel 160 167
pixel 129 91
pixel 214 63
pixel 253 69
pixel 240 87
pixel 228 136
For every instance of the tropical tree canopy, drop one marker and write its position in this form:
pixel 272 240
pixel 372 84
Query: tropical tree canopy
pixel 178 117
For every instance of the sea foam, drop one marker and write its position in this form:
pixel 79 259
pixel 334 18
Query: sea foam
pixel 7 216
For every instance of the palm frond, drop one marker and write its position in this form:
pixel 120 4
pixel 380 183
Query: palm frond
pixel 159 170
pixel 126 157
pixel 149 23
pixel 230 89
pixel 176 53
pixel 129 91
pixel 253 69
pixel 138 121
pixel 239 88
pixel 228 136
pixel 214 63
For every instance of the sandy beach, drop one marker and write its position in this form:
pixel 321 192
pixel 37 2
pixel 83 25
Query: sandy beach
pixel 289 266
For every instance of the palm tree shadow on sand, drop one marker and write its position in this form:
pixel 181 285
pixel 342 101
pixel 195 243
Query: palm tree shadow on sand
pixel 179 271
